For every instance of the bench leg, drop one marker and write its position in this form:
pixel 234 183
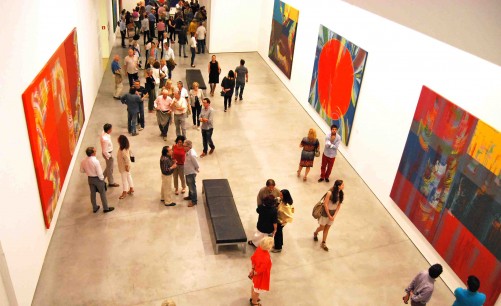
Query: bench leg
pixel 244 247
pixel 217 249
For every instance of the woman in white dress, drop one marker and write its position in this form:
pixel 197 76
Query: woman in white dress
pixel 124 166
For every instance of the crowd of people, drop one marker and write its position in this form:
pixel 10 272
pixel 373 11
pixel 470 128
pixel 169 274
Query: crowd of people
pixel 179 165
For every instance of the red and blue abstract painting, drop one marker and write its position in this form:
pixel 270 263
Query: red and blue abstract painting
pixel 336 79
pixel 449 185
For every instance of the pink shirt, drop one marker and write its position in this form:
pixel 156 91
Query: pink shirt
pixel 163 104
pixel 161 26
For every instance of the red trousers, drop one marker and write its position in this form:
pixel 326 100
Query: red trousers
pixel 326 168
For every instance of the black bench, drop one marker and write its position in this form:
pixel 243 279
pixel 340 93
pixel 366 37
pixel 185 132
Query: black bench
pixel 222 213
pixel 195 75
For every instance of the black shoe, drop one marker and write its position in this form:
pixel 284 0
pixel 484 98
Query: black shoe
pixel 109 209
pixel 186 198
pixel 171 204
pixel 113 185
pixel 241 98
pixel 326 180
pixel 116 98
pixel 320 180
pixel 95 210
pixel 185 56
pixel 276 250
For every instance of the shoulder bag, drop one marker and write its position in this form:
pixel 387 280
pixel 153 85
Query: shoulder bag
pixel 318 208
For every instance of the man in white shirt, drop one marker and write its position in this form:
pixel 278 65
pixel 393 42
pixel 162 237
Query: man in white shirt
pixel 191 168
pixel 332 142
pixel 169 58
pixel 92 168
pixel 179 107
pixel 107 149
pixel 131 64
pixel 201 32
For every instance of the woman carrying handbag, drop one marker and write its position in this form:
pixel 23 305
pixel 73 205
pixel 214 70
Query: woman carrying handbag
pixel 285 215
pixel 332 203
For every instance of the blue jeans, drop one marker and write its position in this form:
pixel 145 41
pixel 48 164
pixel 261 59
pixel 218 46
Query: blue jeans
pixel 192 186
pixel 131 122
pixel 207 139
pixel 241 86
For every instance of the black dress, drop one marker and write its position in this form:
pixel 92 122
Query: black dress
pixel 214 73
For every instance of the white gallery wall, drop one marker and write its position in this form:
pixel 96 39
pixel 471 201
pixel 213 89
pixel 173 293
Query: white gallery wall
pixel 400 61
pixel 234 25
pixel 32 40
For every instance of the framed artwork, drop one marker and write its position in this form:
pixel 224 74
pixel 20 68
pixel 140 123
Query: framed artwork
pixel 114 10
pixel 283 36
pixel 54 113
pixel 336 80
pixel 449 185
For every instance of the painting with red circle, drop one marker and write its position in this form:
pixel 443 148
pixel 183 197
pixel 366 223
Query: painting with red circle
pixel 336 80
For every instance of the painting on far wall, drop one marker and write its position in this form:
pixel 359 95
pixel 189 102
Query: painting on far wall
pixel 283 36
pixel 114 10
pixel 449 185
pixel 336 80
pixel 54 114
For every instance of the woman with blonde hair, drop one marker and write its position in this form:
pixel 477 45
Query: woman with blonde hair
pixel 310 146
pixel 196 97
pixel 163 72
pixel 170 89
pixel 124 165
pixel 332 203
pixel 261 270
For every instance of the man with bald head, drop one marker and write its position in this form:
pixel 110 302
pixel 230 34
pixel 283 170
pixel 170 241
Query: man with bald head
pixel 131 63
pixel 163 106
pixel 117 72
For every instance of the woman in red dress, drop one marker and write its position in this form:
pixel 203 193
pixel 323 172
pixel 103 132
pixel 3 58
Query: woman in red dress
pixel 261 269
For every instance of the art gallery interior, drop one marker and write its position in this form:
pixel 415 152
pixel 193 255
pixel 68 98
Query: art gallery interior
pixel 144 253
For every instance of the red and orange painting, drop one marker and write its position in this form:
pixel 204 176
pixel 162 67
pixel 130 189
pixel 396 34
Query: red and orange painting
pixel 54 113
pixel 337 76
pixel 449 185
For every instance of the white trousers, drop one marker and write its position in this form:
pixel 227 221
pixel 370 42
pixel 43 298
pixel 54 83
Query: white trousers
pixel 127 182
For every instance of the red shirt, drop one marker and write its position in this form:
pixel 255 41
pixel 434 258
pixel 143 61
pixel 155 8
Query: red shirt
pixel 261 262
pixel 178 154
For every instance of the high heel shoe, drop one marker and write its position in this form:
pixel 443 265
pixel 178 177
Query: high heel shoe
pixel 124 194
pixel 131 191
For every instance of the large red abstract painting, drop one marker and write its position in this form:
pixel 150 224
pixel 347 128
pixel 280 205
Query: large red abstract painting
pixel 337 76
pixel 449 185
pixel 54 113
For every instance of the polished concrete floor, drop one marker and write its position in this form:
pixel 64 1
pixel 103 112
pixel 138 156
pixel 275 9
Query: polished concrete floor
pixel 144 253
